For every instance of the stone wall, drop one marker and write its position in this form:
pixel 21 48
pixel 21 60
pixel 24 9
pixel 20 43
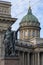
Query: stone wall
pixel 9 61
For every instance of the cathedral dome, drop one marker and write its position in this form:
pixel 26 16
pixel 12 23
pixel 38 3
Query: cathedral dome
pixel 29 19
pixel 29 26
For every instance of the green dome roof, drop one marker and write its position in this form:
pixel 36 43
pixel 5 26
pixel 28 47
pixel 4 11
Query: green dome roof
pixel 29 17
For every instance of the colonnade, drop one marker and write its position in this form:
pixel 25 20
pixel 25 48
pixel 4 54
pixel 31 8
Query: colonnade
pixel 24 58
pixel 27 58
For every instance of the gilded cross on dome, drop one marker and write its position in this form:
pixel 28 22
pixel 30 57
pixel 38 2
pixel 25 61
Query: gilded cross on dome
pixel 29 4
pixel 29 8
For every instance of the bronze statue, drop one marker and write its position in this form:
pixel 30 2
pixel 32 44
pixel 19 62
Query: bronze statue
pixel 9 42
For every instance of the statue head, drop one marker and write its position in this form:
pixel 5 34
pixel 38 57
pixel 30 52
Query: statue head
pixel 9 28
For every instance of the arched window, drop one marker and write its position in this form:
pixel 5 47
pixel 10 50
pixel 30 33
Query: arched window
pixel 29 32
pixel 33 33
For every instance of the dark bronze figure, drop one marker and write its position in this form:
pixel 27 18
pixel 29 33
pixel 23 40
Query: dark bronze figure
pixel 9 41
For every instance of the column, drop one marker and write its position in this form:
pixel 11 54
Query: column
pixel 38 59
pixel 33 59
pixel 23 58
pixel 28 58
pixel 20 58
pixel 41 63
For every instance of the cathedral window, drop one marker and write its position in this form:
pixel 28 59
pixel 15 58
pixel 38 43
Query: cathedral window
pixel 37 33
pixel 0 10
pixel 33 33
pixel 23 33
pixel 29 33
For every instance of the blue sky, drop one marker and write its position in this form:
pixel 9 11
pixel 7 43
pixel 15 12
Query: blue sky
pixel 20 7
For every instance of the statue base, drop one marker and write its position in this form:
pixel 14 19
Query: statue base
pixel 9 61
